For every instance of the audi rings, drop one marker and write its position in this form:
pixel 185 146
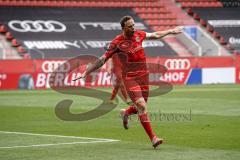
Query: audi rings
pixel 55 66
pixel 177 64
pixel 36 26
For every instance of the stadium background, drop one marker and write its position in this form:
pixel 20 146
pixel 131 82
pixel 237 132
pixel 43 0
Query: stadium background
pixel 39 37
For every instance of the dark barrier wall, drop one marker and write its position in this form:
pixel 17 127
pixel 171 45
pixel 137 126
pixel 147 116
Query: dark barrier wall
pixel 68 32
pixel 226 21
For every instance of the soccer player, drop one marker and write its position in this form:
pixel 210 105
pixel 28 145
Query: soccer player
pixel 128 47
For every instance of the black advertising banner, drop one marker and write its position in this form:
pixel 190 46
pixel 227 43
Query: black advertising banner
pixel 225 21
pixel 69 32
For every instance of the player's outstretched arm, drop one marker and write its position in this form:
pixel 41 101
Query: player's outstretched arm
pixel 161 34
pixel 98 64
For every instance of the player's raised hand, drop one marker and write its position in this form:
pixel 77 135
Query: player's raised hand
pixel 177 30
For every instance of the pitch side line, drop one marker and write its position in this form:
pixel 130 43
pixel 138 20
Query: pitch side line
pixel 60 136
pixel 55 144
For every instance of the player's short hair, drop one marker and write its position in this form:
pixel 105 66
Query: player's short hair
pixel 124 19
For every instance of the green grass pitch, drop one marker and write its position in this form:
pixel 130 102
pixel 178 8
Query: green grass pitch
pixel 196 122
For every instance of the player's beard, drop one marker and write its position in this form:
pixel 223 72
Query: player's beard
pixel 132 33
pixel 129 33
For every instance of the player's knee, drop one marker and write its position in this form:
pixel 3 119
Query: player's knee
pixel 141 105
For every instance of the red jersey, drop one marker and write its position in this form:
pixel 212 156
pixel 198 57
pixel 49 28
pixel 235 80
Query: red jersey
pixel 130 53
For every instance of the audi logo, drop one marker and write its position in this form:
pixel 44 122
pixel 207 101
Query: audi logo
pixel 55 66
pixel 177 64
pixel 36 26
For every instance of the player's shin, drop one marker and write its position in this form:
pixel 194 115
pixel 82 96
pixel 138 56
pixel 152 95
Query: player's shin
pixel 144 118
pixel 145 121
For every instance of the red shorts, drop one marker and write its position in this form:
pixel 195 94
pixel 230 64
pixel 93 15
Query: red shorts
pixel 137 87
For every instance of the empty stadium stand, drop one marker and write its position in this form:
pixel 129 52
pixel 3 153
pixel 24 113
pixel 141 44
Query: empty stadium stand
pixel 86 26
pixel 68 32
pixel 68 13
pixel 224 24
pixel 218 19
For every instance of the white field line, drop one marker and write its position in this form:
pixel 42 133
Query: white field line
pixel 96 140
pixel 52 144
pixel 60 136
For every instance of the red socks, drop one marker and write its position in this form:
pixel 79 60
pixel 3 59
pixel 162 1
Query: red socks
pixel 145 121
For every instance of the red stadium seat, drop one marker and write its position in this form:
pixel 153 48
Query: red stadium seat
pixel 203 22
pixel 26 56
pixel 209 28
pixel 3 29
pixel 15 43
pixel 189 11
pixel 196 16
pixel 20 49
pixel 222 40
pixel 9 36
pixel 229 47
pixel 216 34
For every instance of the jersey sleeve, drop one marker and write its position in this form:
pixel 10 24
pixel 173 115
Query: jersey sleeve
pixel 148 35
pixel 111 49
pixel 143 34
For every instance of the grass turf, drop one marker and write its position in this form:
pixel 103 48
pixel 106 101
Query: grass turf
pixel 208 126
